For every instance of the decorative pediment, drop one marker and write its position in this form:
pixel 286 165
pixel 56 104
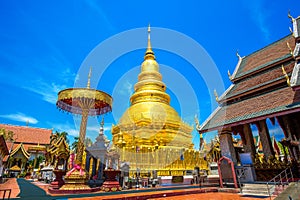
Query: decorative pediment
pixel 60 147
pixel 20 151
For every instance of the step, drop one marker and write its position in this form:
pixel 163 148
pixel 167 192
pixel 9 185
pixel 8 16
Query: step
pixel 255 194
pixel 257 189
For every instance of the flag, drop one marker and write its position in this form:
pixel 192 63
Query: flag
pixel 181 155
pixel 137 148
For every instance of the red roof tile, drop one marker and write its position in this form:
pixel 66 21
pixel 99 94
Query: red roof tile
pixel 281 100
pixel 266 77
pixel 266 55
pixel 31 135
pixel 3 146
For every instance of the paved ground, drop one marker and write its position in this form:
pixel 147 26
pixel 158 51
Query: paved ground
pixel 31 191
pixel 10 184
pixel 37 191
pixel 206 196
pixel 211 196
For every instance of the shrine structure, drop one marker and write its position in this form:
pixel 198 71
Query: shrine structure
pixel 265 85
pixel 26 143
pixel 96 154
pixel 57 156
pixel 85 102
pixel 151 135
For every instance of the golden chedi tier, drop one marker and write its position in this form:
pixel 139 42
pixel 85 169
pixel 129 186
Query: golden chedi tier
pixel 151 135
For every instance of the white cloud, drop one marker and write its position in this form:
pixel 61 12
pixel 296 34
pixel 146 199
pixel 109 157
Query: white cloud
pixel 102 15
pixel 260 16
pixel 68 76
pixel 73 129
pixel 126 88
pixel 48 91
pixel 20 117
pixel 70 129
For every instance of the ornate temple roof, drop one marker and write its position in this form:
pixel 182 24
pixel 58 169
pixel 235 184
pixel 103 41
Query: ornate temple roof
pixel 263 58
pixel 260 86
pixel 20 148
pixel 15 168
pixel 59 147
pixel 28 136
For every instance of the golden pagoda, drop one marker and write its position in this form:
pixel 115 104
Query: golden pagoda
pixel 151 135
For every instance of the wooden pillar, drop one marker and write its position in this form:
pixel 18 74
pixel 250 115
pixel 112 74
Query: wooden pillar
pixel 294 120
pixel 265 139
pixel 226 145
pixel 87 161
pixel 100 170
pixel 249 146
pixel 23 164
pixel 287 130
pixel 94 166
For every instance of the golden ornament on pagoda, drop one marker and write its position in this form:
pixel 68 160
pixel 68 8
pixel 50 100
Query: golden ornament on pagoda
pixel 151 135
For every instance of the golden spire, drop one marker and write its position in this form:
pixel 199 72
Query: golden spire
pixel 102 122
pixel 89 79
pixel 149 53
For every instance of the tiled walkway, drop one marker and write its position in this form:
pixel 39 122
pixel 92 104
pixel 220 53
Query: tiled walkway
pixel 206 196
pixel 10 184
pixel 163 193
pixel 211 196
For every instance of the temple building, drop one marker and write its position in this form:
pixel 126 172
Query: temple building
pixel 3 151
pixel 24 144
pixel 151 135
pixel 265 85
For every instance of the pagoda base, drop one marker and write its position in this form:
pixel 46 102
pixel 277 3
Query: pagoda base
pixel 110 184
pixel 58 182
pixel 75 183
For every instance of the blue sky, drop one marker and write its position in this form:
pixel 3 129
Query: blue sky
pixel 44 46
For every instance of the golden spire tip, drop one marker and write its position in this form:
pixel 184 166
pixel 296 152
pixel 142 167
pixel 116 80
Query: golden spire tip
pixel 149 53
pixel 89 79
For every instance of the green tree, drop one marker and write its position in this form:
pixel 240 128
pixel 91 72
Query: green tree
pixel 75 144
pixel 88 142
pixel 63 134
pixel 8 135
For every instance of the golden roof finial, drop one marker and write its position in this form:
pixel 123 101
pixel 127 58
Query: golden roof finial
pixel 89 79
pixel 290 49
pixel 197 123
pixel 149 53
pixel 290 16
pixel 238 55
pixel 216 95
pixel 286 76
